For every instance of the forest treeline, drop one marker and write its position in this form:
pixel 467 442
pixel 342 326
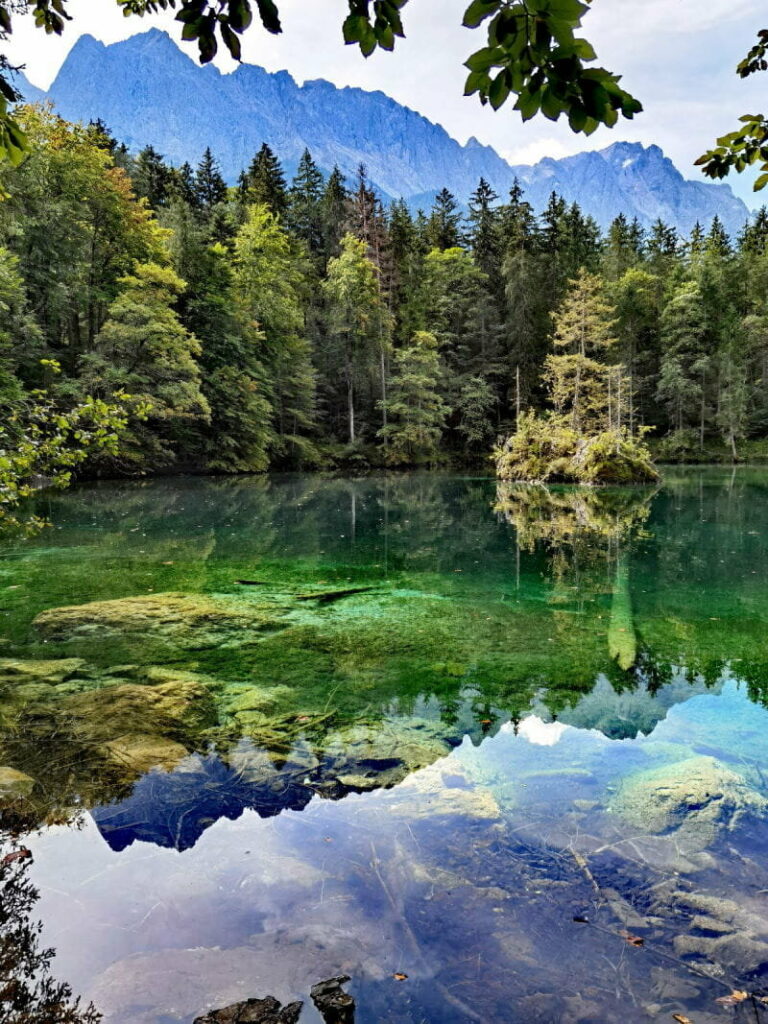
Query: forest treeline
pixel 299 323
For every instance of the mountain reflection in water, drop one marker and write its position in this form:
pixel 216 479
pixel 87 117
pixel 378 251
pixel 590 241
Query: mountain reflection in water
pixel 439 722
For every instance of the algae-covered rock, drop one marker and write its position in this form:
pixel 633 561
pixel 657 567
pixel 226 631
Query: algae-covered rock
pixel 263 699
pixel 444 791
pixel 188 620
pixel 133 708
pixel 21 671
pixel 725 932
pixel 698 797
pixel 370 756
pixel 33 692
pixel 15 784
pixel 141 752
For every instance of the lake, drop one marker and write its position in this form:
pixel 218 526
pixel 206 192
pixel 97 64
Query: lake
pixel 496 753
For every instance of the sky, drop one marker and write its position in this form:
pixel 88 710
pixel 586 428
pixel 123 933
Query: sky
pixel 677 56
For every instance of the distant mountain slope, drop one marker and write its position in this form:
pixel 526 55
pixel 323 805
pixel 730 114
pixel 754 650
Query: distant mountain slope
pixel 148 91
pixel 30 92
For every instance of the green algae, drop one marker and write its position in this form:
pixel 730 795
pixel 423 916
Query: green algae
pixel 132 633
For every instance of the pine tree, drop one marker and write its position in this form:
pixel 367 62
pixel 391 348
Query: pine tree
pixel 582 386
pixel 145 350
pixel 335 210
pixel 444 223
pixel 416 412
pixel 151 177
pixel 210 187
pixel 305 208
pixel 266 181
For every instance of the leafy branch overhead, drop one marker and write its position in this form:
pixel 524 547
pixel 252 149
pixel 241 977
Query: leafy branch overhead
pixel 748 145
pixel 533 52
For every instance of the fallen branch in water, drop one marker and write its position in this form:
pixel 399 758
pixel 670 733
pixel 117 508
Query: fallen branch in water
pixel 326 596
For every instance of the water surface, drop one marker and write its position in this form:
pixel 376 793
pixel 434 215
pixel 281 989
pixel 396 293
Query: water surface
pixel 265 731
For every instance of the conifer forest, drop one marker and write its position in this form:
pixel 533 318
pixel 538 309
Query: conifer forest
pixel 302 323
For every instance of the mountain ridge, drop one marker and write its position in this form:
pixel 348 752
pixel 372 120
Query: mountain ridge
pixel 141 88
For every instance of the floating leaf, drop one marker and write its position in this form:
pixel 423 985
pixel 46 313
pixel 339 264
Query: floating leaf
pixel 737 996
pixel 22 854
pixel 681 1018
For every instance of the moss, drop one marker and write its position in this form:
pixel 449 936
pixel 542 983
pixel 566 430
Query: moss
pixel 25 671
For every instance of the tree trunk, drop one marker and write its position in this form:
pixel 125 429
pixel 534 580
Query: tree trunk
pixel 351 407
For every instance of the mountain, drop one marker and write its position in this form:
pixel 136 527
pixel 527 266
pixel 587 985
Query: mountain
pixel 150 92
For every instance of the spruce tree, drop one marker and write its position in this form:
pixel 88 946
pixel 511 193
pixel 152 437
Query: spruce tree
pixel 305 207
pixel 266 181
pixel 444 223
pixel 415 411
pixel 582 387
pixel 210 187
pixel 145 350
pixel 483 231
pixel 152 177
pixel 270 286
pixel 335 211
pixel 358 324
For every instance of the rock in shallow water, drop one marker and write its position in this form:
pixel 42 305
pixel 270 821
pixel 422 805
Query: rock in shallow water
pixel 254 1011
pixel 30 672
pixel 697 797
pixel 140 752
pixel 15 784
pixel 193 621
pixel 334 1004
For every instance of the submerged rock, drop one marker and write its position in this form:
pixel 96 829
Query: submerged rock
pixel 140 752
pixel 696 797
pixel 30 672
pixel 15 784
pixel 364 757
pixel 253 1011
pixel 437 792
pixel 722 931
pixel 187 620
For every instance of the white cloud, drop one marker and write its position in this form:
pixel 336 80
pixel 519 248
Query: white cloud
pixel 541 733
pixel 535 150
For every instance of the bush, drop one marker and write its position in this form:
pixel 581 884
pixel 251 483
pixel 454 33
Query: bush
pixel 544 449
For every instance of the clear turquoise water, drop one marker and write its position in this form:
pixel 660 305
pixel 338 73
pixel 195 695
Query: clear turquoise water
pixel 432 776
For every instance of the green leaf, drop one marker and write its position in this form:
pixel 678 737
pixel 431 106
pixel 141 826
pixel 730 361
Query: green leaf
pixel 270 18
pixel 478 11
pixel 499 90
pixel 484 59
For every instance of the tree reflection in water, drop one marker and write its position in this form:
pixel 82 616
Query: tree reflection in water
pixel 587 532
pixel 29 994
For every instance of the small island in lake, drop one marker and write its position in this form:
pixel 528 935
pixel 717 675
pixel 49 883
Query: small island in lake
pixel 589 435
